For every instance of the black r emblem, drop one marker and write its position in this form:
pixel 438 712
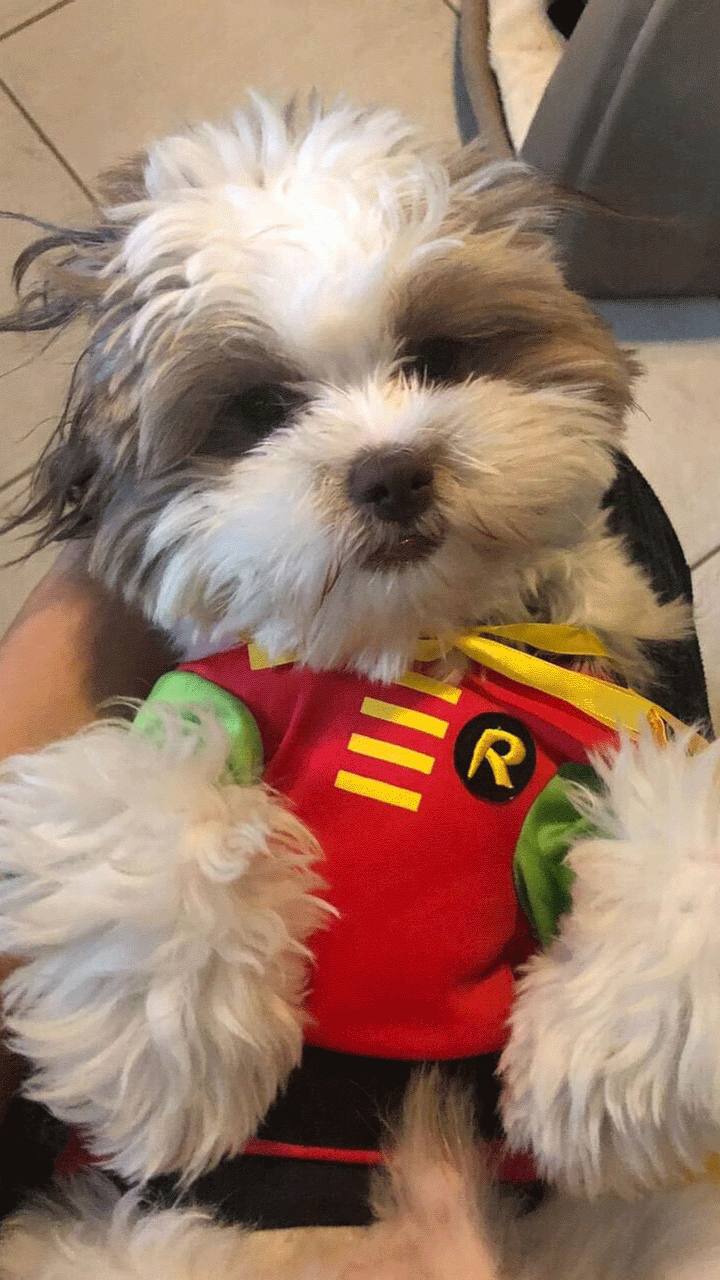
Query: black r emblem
pixel 495 757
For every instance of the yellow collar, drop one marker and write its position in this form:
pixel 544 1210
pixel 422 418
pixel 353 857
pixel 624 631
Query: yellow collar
pixel 493 647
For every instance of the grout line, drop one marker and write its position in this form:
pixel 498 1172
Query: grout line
pixel 5 87
pixel 698 564
pixel 448 5
pixel 35 17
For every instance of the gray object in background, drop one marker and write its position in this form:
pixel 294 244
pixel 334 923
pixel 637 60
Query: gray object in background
pixel 631 117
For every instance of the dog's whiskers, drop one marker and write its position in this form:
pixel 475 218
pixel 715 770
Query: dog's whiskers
pixel 333 573
pixel 480 527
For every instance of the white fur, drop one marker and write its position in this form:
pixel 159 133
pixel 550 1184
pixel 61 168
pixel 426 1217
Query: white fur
pixel 269 539
pixel 664 1236
pixel 612 1072
pixel 442 1220
pixel 163 913
pixel 372 195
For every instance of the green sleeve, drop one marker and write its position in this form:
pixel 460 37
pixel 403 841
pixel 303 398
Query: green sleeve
pixel 190 691
pixel 553 825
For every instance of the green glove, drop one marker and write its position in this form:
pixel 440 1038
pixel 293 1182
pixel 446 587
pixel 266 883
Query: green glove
pixel 543 880
pixel 188 691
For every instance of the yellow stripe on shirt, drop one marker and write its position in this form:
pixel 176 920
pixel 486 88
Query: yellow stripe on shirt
pixel 378 749
pixel 403 716
pixel 375 790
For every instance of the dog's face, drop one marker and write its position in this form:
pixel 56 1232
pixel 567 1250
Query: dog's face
pixel 333 396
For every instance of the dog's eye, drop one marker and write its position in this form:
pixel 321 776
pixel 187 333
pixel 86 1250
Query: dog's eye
pixel 243 420
pixel 436 359
pixel 262 409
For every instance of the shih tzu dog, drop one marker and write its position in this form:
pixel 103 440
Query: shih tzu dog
pixel 335 395
pixel 336 400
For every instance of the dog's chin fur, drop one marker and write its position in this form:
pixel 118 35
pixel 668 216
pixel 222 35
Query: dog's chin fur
pixel 329 253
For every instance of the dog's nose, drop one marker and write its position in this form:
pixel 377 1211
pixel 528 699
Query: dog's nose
pixel 396 486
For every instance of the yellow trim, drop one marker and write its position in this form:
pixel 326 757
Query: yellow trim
pixel 614 707
pixel 259 660
pixel 658 727
pixel 402 715
pixel 610 705
pixel 375 790
pixel 546 636
pixel 377 749
pixel 551 638
pixel 436 688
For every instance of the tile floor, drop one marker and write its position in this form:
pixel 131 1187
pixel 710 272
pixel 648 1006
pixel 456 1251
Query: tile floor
pixel 83 82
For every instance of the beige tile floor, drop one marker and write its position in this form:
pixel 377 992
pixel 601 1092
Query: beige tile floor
pixel 83 82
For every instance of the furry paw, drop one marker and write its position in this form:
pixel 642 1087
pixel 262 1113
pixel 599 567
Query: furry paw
pixel 612 1071
pixel 91 1233
pixel 436 1218
pixel 163 916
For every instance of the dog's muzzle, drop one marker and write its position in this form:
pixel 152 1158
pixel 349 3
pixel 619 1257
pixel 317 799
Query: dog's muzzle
pixel 395 489
pixel 411 548
pixel 394 486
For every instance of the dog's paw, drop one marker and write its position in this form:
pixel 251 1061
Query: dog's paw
pixel 162 915
pixel 612 1071
pixel 90 1232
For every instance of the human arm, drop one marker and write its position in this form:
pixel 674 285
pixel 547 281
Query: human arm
pixel 71 647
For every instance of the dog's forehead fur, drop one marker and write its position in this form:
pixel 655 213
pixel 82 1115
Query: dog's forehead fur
pixel 330 242
pixel 308 234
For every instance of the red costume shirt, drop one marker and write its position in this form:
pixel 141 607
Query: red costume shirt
pixel 416 792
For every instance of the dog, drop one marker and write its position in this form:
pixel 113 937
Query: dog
pixel 336 399
pixel 212 393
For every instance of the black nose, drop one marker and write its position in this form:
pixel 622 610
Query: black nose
pixel 395 486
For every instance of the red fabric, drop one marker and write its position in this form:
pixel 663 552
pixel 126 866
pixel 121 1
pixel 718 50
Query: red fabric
pixel 74 1159
pixel 420 963
pixel 294 1151
pixel 508 1167
pixel 514 1168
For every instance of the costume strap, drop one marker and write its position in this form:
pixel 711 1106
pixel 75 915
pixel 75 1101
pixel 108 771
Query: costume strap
pixel 614 707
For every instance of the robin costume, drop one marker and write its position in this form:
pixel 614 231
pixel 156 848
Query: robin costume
pixel 444 818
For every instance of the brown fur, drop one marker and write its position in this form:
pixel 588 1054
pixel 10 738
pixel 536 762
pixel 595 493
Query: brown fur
pixel 513 317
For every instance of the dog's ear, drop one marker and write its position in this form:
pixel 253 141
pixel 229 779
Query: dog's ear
pixel 501 194
pixel 58 277
pixel 62 277
pixel 77 473
pixel 509 281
